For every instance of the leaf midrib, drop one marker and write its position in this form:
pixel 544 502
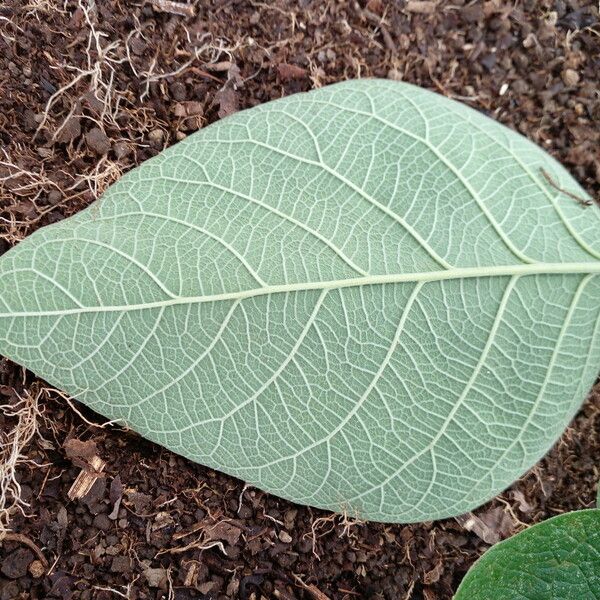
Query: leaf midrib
pixel 591 267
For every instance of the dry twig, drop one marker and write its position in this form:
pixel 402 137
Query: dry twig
pixel 23 539
pixel 312 589
pixel 579 199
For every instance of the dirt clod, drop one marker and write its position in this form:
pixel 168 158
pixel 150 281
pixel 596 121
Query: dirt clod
pixel 97 141
pixel 156 137
pixel 120 564
pixel 15 565
pixel 156 577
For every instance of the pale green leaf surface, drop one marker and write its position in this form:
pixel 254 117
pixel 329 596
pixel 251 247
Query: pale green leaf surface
pixel 558 559
pixel 364 298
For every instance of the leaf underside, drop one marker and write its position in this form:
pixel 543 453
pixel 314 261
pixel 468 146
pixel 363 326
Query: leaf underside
pixel 558 559
pixel 365 298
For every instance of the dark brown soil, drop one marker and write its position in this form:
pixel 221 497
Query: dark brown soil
pixel 153 524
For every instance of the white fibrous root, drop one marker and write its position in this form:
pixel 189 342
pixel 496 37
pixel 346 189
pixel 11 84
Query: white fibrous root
pixel 13 442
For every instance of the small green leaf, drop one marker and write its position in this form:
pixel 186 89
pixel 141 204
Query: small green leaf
pixel 367 298
pixel 558 559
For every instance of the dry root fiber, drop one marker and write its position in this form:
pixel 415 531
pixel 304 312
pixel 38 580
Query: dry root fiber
pixel 21 419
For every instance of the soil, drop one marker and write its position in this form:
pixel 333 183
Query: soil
pixel 90 89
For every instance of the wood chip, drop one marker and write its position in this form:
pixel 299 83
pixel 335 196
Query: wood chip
pixel 223 65
pixel 191 577
pixel 86 479
pixel 288 72
pixel 424 7
pixel 174 8
pixel 491 527
pixel 84 455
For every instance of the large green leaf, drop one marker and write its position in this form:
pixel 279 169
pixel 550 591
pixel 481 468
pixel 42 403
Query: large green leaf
pixel 558 559
pixel 365 298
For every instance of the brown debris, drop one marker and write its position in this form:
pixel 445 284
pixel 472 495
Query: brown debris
pixel 80 452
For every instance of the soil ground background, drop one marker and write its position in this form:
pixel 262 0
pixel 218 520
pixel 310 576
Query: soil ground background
pixel 90 89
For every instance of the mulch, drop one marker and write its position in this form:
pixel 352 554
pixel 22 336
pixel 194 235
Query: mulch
pixel 88 90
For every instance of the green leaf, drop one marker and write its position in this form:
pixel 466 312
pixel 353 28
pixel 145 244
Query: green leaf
pixel 366 298
pixel 558 559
